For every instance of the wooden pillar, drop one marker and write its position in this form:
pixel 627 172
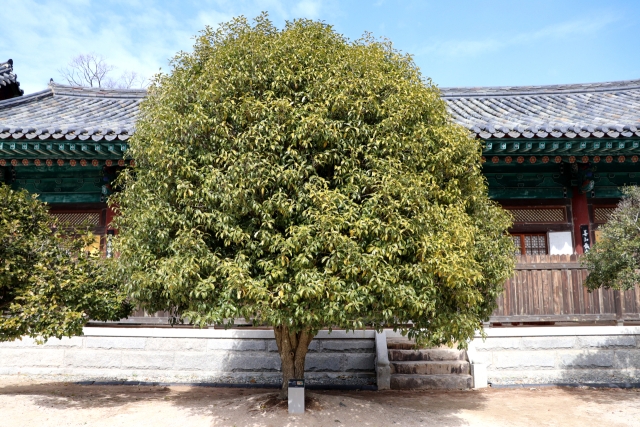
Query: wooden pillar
pixel 110 216
pixel 580 213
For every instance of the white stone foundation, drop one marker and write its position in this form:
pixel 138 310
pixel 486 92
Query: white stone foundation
pixel 559 354
pixel 510 355
pixel 185 353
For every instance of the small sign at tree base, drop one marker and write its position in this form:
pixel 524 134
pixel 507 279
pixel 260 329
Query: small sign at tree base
pixel 296 396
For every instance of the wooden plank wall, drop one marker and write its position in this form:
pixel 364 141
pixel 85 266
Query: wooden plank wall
pixel 550 288
pixel 543 288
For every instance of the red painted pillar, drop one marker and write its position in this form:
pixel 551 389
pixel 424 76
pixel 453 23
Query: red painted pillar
pixel 111 214
pixel 580 212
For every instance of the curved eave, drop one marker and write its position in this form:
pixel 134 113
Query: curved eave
pixel 487 131
pixel 56 135
pixel 66 113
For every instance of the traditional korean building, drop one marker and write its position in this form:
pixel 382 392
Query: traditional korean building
pixel 555 156
pixel 66 144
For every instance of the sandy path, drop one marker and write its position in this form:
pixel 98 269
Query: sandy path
pixel 32 402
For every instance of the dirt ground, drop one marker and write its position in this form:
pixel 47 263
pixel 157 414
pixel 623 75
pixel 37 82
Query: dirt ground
pixel 26 401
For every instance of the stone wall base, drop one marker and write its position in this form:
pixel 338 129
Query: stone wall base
pixel 542 355
pixel 184 354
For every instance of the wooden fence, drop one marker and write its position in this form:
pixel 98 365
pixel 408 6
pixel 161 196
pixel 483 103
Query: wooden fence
pixel 543 288
pixel 549 288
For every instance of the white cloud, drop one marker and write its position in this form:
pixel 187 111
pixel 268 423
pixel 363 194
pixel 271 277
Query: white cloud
pixel 470 48
pixel 307 9
pixel 58 31
pixel 135 35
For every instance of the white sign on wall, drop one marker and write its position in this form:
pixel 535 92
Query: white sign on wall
pixel 560 243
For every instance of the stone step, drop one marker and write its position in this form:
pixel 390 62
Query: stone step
pixel 400 344
pixel 431 354
pixel 422 367
pixel 406 344
pixel 431 382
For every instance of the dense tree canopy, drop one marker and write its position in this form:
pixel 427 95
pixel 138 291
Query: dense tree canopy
pixel 614 261
pixel 49 286
pixel 303 180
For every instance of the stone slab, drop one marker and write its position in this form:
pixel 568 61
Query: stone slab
pixel 483 357
pixel 431 382
pixel 115 342
pixel 314 345
pixel 50 343
pixel 203 361
pixel 348 345
pixel 147 360
pixel 324 362
pixel 24 342
pixel 426 354
pixel 236 345
pixel 452 367
pixel 250 361
pixel 584 359
pixel 176 344
pixel 31 357
pixel 93 359
pixel 627 359
pixel 537 343
pixel 359 361
pixel 608 342
pixel 497 344
pixel 522 359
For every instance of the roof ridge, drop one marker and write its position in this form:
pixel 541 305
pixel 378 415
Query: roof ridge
pixel 98 92
pixel 505 91
pixel 7 64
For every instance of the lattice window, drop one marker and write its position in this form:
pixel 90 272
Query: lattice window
pixel 530 244
pixel 543 215
pixel 602 215
pixel 535 245
pixel 77 218
pixel 518 243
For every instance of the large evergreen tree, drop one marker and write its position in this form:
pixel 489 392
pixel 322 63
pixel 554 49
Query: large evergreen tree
pixel 305 181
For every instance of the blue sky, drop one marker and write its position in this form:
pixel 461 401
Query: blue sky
pixel 456 43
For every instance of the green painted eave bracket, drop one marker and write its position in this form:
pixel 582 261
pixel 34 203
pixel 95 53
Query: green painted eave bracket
pixel 562 147
pixel 31 150
pixel 530 193
pixel 71 198
pixel 553 181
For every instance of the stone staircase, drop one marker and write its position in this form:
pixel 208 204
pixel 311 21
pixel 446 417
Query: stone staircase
pixel 434 368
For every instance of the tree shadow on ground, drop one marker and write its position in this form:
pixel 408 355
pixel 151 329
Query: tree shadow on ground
pixel 612 361
pixel 235 406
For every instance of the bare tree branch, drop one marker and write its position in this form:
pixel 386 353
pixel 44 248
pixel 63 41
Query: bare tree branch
pixel 91 70
pixel 87 70
pixel 130 79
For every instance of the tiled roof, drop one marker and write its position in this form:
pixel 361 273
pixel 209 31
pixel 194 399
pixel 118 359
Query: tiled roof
pixel 576 110
pixel 71 113
pixel 581 110
pixel 9 80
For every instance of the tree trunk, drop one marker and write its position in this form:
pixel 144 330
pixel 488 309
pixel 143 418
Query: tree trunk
pixel 293 347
